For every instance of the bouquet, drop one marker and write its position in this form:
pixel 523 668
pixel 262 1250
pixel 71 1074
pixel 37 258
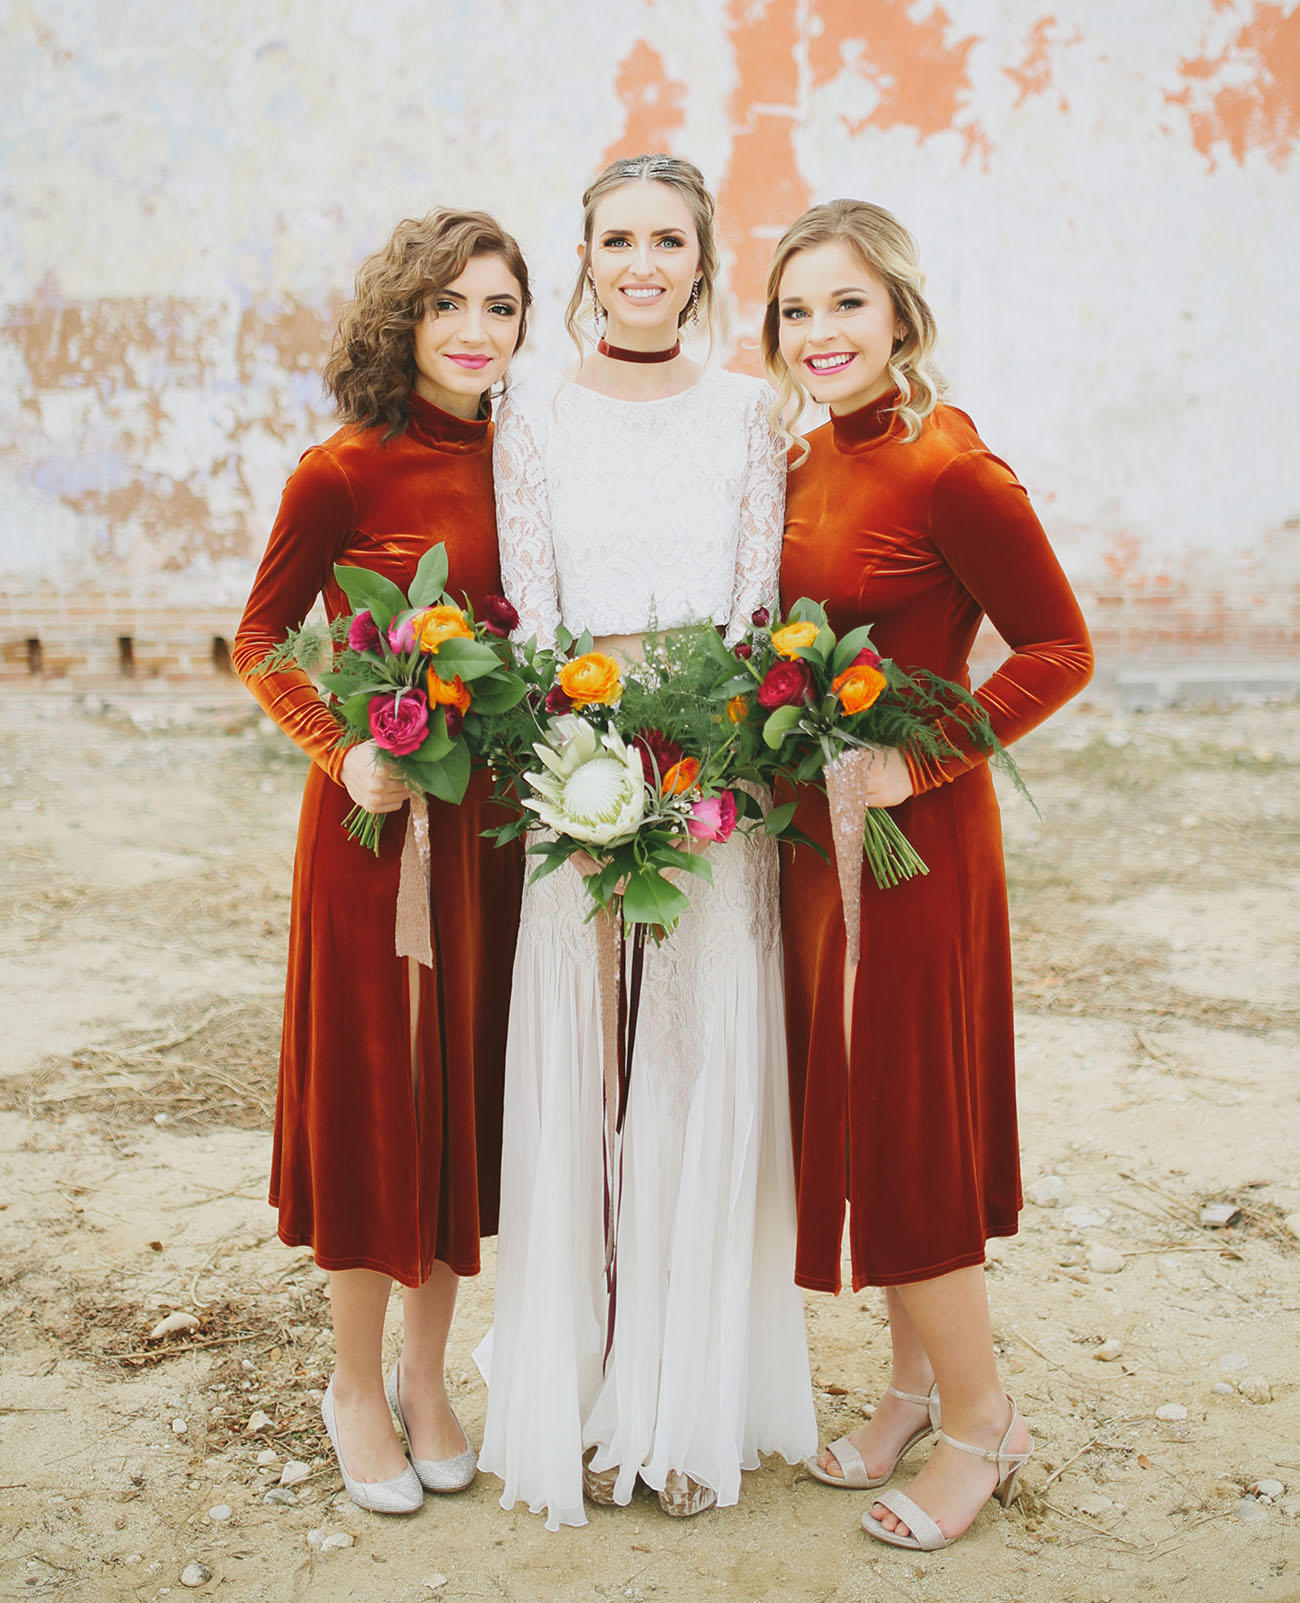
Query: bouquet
pixel 415 673
pixel 633 769
pixel 816 700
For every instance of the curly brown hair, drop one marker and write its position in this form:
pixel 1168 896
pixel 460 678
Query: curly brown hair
pixel 371 366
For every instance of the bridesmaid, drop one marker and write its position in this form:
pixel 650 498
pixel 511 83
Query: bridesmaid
pixel 388 1119
pixel 902 1075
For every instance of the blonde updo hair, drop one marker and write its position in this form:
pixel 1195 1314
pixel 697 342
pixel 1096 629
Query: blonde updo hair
pixel 887 248
pixel 688 181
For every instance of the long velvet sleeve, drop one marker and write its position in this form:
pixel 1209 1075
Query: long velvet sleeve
pixel 988 533
pixel 316 517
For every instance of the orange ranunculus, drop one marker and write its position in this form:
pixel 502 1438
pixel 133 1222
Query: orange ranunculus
pixel 738 709
pixel 591 680
pixel 789 641
pixel 437 624
pixel 446 693
pixel 681 776
pixel 858 687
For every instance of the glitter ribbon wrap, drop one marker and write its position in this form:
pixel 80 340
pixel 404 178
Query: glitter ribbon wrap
pixel 412 935
pixel 846 791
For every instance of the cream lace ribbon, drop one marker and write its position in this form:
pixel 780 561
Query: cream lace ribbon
pixel 846 791
pixel 412 937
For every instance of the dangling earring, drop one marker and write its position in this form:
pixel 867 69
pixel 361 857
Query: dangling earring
pixel 693 305
pixel 598 317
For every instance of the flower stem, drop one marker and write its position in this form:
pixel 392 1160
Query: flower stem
pixel 364 827
pixel 889 852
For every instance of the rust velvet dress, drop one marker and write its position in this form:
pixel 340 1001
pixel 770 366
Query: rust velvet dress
pixel 375 1167
pixel 920 540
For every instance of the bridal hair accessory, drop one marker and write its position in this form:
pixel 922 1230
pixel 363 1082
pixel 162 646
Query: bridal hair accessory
pixel 618 354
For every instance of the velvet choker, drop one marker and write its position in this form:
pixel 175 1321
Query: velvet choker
pixel 618 354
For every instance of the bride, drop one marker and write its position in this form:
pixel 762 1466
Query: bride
pixel 644 489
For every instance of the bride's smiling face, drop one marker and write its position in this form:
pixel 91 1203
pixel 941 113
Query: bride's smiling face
pixel 644 262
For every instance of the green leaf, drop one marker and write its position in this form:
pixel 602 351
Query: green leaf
pixel 430 577
pixel 689 862
pixel 468 659
pixel 779 818
pixel 807 611
pixel 742 685
pixel 371 592
pixel 811 766
pixel 584 643
pixel 437 743
pixel 498 694
pixel 356 712
pixel 650 899
pixel 849 647
pixel 563 639
pixel 824 643
pixel 746 806
pixel 796 837
pixel 452 775
pixel 548 867
pixel 779 724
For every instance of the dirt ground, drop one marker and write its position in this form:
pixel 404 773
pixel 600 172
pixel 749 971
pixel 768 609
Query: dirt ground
pixel 142 926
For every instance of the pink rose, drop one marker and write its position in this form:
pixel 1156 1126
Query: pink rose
pixel 399 722
pixel 401 636
pixel 499 617
pixel 713 817
pixel 363 633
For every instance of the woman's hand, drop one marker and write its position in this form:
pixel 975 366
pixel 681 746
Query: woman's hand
pixel 887 779
pixel 371 786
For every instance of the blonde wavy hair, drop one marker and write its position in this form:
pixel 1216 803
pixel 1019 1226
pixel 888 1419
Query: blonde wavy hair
pixel 371 367
pixel 887 248
pixel 688 181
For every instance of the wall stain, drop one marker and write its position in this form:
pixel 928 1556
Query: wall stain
pixel 1246 93
pixel 1033 74
pixel 654 103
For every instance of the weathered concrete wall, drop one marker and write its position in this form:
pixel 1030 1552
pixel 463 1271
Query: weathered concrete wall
pixel 1105 195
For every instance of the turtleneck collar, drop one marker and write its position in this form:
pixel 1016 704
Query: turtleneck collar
pixel 868 426
pixel 445 432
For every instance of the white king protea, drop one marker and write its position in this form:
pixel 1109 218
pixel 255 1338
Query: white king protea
pixel 594 788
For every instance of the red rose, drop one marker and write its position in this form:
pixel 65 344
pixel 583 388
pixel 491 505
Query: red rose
pixel 743 650
pixel 867 658
pixel 557 700
pixel 499 617
pixel 455 720
pixel 655 747
pixel 363 634
pixel 399 722
pixel 787 684
pixel 761 618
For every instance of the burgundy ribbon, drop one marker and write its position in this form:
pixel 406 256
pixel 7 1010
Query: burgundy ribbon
pixel 626 1010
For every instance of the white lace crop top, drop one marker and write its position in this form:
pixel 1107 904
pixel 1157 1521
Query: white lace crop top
pixel 616 516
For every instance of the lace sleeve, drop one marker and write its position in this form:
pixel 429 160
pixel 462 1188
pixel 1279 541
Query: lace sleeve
pixel 762 518
pixel 524 526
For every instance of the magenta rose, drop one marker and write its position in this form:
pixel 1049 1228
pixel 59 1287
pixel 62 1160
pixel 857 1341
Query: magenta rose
pixel 363 633
pixel 713 817
pixel 786 684
pixel 656 749
pixel 401 636
pixel 557 700
pixel 760 618
pixel 867 658
pixel 743 650
pixel 399 722
pixel 499 617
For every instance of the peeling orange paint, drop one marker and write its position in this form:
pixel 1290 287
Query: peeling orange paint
pixel 920 78
pixel 1033 74
pixel 763 190
pixel 654 102
pixel 1247 96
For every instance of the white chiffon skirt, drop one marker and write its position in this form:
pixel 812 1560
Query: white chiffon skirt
pixel 709 1363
